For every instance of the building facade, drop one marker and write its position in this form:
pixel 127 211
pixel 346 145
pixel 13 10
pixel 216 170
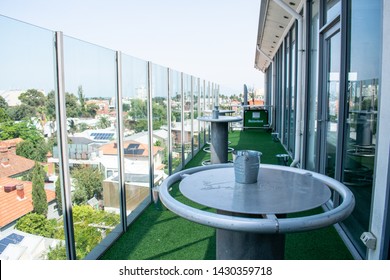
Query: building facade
pixel 325 66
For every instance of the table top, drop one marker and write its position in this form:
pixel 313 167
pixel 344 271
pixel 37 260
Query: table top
pixel 221 119
pixel 276 191
pixel 220 111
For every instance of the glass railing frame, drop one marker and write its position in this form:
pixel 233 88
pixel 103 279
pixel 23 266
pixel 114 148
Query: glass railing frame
pixel 204 88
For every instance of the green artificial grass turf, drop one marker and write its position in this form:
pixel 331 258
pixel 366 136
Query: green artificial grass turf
pixel 161 234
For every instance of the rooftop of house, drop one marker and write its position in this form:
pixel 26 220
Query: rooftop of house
pixel 15 202
pixel 12 165
pixel 131 148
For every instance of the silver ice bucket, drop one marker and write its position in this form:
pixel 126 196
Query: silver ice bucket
pixel 246 166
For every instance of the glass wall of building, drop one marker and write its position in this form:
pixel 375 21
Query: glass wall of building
pixel 195 113
pixel 27 137
pixel 187 120
pixel 284 87
pixel 362 93
pixel 82 174
pixel 135 134
pixel 342 69
pixel 312 88
pixel 160 120
pixel 176 119
pixel 90 85
pixel 201 112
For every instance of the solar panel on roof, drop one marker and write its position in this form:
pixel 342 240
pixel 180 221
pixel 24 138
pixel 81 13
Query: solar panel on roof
pixel 13 238
pixel 2 248
pixel 102 136
pixel 139 151
pixel 133 146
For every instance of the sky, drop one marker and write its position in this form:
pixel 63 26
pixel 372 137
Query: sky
pixel 210 39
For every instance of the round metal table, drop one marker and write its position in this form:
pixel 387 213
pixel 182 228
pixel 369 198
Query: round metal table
pixel 251 218
pixel 220 112
pixel 219 136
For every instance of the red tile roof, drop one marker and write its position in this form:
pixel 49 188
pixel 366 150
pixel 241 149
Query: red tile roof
pixel 11 143
pixel 13 165
pixel 111 148
pixel 11 207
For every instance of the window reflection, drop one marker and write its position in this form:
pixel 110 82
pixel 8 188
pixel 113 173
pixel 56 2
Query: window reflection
pixel 362 106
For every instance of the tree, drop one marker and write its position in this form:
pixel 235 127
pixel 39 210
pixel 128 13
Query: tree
pixel 3 103
pixel 72 106
pixel 138 109
pixel 39 198
pixel 81 100
pixel 125 107
pixel 33 98
pixel 50 106
pixel 82 127
pixel 59 196
pixel 37 224
pixel 4 116
pixel 88 183
pixel 91 110
pixel 23 129
pixel 36 151
pixel 72 126
pixel 104 122
pixel 21 112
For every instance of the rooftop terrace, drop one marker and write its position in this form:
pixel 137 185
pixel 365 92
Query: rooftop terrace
pixel 160 234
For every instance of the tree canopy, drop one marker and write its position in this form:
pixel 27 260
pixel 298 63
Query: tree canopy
pixel 88 184
pixel 38 190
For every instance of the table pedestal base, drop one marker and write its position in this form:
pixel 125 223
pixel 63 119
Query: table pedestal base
pixel 219 142
pixel 236 245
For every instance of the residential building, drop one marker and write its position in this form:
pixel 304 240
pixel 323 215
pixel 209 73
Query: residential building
pixel 16 200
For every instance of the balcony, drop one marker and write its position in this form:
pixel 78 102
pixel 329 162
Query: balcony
pixel 159 234
pixel 116 127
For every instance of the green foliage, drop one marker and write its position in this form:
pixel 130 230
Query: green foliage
pixel 138 109
pixel 87 231
pixel 58 253
pixel 21 112
pixel 125 107
pixel 3 103
pixel 82 127
pixel 58 196
pixel 33 98
pixel 72 126
pixel 81 99
pixel 23 129
pixel 50 106
pixel 36 151
pixel 88 183
pixel 39 198
pixel 4 116
pixel 90 110
pixel 37 224
pixel 72 106
pixel 104 122
pixel 159 114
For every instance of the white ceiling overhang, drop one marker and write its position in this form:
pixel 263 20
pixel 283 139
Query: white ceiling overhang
pixel 274 23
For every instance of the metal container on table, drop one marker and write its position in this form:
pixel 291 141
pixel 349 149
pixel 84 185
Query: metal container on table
pixel 246 166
